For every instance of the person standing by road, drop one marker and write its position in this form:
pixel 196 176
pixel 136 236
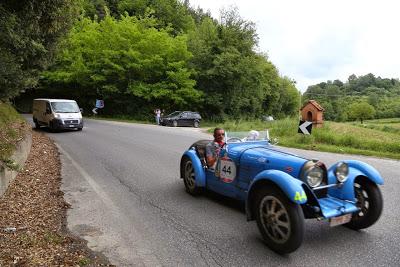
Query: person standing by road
pixel 157 113
pixel 214 147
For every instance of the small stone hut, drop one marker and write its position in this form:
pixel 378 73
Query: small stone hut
pixel 312 111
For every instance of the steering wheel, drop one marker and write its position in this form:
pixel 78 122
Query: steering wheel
pixel 234 140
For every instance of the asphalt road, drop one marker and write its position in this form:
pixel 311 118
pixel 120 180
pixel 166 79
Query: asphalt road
pixel 128 201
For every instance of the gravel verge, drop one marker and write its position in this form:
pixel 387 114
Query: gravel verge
pixel 33 211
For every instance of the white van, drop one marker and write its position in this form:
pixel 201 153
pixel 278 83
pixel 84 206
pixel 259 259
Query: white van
pixel 57 114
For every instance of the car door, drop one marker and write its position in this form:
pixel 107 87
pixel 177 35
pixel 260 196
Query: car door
pixel 223 179
pixel 47 116
pixel 184 119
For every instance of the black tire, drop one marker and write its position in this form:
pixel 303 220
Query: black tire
pixel 80 129
pixel 280 221
pixel 196 124
pixel 189 178
pixel 369 200
pixel 37 125
pixel 51 127
pixel 174 123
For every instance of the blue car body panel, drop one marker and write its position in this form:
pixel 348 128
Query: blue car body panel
pixel 260 162
pixel 333 207
pixel 290 186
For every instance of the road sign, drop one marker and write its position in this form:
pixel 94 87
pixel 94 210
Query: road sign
pixel 305 127
pixel 99 103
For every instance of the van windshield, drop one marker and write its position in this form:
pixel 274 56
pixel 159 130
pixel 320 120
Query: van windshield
pixel 65 107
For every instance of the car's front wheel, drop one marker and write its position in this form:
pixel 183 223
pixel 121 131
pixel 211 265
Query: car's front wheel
pixel 280 221
pixel 196 124
pixel 189 178
pixel 370 203
pixel 174 123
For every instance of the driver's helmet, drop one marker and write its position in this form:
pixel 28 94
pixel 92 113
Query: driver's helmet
pixel 253 135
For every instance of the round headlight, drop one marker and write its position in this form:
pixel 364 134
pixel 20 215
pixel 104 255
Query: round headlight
pixel 342 171
pixel 315 176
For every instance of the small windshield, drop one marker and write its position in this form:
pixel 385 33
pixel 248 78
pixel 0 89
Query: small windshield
pixel 173 114
pixel 249 136
pixel 65 107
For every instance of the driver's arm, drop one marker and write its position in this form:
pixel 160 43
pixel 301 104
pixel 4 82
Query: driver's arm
pixel 211 161
pixel 210 155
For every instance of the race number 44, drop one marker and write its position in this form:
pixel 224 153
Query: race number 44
pixel 228 170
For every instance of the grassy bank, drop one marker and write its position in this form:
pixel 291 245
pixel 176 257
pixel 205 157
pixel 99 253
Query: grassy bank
pixel 12 129
pixel 379 138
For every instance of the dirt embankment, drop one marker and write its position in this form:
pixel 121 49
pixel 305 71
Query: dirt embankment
pixel 33 216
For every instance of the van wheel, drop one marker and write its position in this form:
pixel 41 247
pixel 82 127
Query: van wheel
pixel 51 127
pixel 37 125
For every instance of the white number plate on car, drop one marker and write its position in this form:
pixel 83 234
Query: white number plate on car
pixel 340 220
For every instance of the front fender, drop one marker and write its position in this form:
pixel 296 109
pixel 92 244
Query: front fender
pixel 356 169
pixel 291 186
pixel 200 176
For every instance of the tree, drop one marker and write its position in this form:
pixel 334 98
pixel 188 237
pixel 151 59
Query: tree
pixel 126 60
pixel 361 111
pixel 29 33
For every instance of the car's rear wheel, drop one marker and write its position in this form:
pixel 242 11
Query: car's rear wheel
pixel 196 124
pixel 280 221
pixel 370 202
pixel 174 123
pixel 189 178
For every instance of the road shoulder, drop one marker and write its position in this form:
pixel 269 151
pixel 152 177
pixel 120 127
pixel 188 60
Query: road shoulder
pixel 33 215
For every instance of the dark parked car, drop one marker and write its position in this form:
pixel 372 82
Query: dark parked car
pixel 182 118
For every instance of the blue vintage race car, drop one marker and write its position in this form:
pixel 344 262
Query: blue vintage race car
pixel 281 189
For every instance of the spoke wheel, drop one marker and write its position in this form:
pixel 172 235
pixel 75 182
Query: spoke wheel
pixel 280 221
pixel 275 219
pixel 196 124
pixel 369 201
pixel 189 178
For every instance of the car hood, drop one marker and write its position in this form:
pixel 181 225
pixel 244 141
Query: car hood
pixel 70 115
pixel 266 156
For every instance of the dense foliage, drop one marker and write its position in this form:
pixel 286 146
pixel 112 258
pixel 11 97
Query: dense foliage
pixel 140 55
pixel 360 97
pixel 29 33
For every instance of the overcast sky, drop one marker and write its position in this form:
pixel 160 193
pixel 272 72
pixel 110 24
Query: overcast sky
pixel 313 41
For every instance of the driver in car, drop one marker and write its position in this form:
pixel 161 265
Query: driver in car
pixel 214 147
